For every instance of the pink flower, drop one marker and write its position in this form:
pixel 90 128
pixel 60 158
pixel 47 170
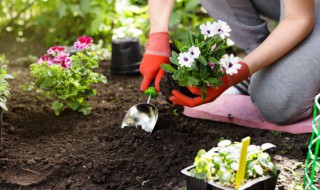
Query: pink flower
pixel 66 63
pixel 45 58
pixel 211 64
pixel 63 59
pixel 55 49
pixel 61 56
pixel 83 42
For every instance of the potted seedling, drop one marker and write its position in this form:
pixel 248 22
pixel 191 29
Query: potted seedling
pixel 68 79
pixel 4 94
pixel 232 166
pixel 201 61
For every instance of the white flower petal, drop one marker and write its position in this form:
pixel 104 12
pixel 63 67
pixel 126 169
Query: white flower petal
pixel 194 52
pixel 184 59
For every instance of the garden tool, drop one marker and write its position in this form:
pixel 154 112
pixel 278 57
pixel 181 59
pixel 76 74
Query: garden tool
pixel 144 115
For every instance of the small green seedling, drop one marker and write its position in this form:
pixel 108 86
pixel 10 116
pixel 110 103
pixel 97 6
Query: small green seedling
pixel 4 94
pixel 220 164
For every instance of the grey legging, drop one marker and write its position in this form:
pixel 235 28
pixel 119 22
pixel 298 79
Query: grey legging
pixel 284 91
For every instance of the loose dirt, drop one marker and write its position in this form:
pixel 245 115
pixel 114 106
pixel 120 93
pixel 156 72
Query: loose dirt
pixel 73 151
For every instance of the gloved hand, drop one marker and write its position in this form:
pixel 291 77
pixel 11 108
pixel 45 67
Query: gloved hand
pixel 212 93
pixel 157 52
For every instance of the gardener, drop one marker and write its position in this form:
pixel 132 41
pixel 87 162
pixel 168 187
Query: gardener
pixel 283 64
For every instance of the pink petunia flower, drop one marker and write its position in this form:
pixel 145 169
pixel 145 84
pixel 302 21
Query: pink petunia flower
pixel 83 42
pixel 55 49
pixel 45 58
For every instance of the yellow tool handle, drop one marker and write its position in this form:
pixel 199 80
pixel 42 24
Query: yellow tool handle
pixel 242 163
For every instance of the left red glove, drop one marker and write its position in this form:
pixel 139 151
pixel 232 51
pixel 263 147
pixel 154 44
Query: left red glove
pixel 212 93
pixel 157 52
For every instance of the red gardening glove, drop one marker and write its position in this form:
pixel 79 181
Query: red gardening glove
pixel 212 93
pixel 157 52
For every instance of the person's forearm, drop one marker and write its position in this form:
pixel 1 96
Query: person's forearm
pixel 159 13
pixel 288 34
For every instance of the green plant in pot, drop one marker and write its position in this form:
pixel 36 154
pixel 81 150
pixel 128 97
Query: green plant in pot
pixel 201 61
pixel 221 168
pixel 67 79
pixel 4 94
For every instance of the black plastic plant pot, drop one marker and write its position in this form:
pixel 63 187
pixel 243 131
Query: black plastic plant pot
pixel 126 56
pixel 261 183
pixel 168 84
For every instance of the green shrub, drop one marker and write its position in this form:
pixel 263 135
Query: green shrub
pixel 4 87
pixel 68 79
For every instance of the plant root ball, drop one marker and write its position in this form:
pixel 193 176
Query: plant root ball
pixel 168 84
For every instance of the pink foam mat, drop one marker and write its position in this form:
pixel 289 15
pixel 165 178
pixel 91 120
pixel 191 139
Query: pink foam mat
pixel 239 110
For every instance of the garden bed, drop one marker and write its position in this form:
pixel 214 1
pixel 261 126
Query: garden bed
pixel 73 151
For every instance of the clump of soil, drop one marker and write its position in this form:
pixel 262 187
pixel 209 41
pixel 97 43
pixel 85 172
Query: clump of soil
pixel 168 84
pixel 73 151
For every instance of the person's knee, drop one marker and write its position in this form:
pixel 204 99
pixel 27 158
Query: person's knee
pixel 282 111
pixel 283 117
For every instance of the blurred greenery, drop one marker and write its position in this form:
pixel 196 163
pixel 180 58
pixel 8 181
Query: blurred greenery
pixel 63 21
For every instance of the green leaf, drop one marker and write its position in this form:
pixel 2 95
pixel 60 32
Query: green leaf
pixel 175 18
pixel 178 45
pixel 3 106
pixel 74 105
pixel 174 54
pixel 264 159
pixel 212 80
pixel 190 38
pixel 57 107
pixel 201 175
pixel 214 60
pixel 62 9
pixel 173 60
pixel 191 5
pixel 273 168
pixel 183 82
pixel 95 24
pixel 266 146
pixel 193 80
pixel 178 75
pixel 85 5
pixel 224 143
pixel 203 70
pixel 47 82
pixel 86 110
pixel 225 177
pixel 202 60
pixel 168 68
pixel 258 169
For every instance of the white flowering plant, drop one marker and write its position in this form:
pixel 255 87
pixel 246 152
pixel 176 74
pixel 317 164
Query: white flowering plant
pixel 220 164
pixel 202 60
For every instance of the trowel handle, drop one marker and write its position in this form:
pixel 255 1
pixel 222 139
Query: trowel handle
pixel 151 91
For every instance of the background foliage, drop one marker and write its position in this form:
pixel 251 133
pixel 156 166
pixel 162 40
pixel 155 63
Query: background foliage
pixel 62 21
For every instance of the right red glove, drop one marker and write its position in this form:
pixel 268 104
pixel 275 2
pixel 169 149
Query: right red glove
pixel 178 98
pixel 157 52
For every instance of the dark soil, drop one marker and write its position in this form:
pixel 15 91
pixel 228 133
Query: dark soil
pixel 73 151
pixel 167 84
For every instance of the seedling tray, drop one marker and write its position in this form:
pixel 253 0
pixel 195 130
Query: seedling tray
pixel 261 183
